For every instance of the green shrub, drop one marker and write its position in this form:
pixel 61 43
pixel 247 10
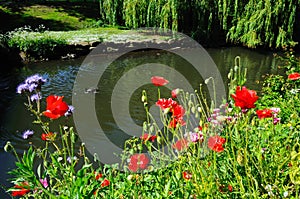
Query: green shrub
pixel 38 45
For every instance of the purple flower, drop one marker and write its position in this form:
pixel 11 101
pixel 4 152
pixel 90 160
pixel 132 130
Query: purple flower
pixel 31 83
pixel 22 88
pixel 70 111
pixel 27 134
pixel 44 182
pixel 36 97
pixel 35 79
pixel 32 87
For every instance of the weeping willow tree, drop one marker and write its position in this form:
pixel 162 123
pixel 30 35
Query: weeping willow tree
pixel 252 23
pixel 111 11
pixel 266 23
pixel 151 13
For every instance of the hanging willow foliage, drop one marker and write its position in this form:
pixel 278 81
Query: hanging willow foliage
pixel 266 23
pixel 252 23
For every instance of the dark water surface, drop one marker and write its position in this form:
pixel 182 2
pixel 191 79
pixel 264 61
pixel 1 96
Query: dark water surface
pixel 15 119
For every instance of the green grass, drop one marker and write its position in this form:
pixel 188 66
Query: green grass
pixel 54 15
pixel 58 14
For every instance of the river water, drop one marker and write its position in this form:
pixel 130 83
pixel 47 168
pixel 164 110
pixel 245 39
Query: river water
pixel 15 119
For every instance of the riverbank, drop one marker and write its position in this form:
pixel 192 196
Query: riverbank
pixel 72 29
pixel 48 45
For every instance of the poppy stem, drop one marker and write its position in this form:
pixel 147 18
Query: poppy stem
pixel 158 90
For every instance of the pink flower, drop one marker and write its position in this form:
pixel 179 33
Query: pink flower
pixel 195 137
pixel 138 161
pixel 44 182
pixel 159 81
pixel 216 142
pixel 275 110
pixel 276 120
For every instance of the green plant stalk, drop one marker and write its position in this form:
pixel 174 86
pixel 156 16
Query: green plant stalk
pixel 234 164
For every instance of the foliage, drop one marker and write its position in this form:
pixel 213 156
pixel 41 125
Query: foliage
pixel 219 152
pixel 36 43
pixel 57 15
pixel 251 23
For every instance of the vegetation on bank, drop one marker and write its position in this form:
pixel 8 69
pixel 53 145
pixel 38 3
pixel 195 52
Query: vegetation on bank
pixel 55 15
pixel 247 148
pixel 41 44
pixel 253 23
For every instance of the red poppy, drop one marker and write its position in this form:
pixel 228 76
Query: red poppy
pixel 244 98
pixel 186 175
pixel 180 144
pixel 223 190
pixel 48 136
pixel 56 107
pixel 166 103
pixel 147 137
pixel 200 128
pixel 174 121
pixel 98 175
pixel 176 110
pixel 175 92
pixel 265 113
pixel 23 189
pixel 105 183
pixel 138 161
pixel 230 188
pixel 215 143
pixel 294 76
pixel 177 116
pixel 159 81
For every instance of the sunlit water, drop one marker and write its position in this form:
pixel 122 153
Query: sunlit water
pixel 61 75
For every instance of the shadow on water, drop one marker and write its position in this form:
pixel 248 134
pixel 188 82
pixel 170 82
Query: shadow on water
pixel 61 75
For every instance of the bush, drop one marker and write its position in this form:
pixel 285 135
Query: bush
pixel 35 44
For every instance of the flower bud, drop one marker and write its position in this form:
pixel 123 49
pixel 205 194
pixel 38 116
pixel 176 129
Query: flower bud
pixel 7 146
